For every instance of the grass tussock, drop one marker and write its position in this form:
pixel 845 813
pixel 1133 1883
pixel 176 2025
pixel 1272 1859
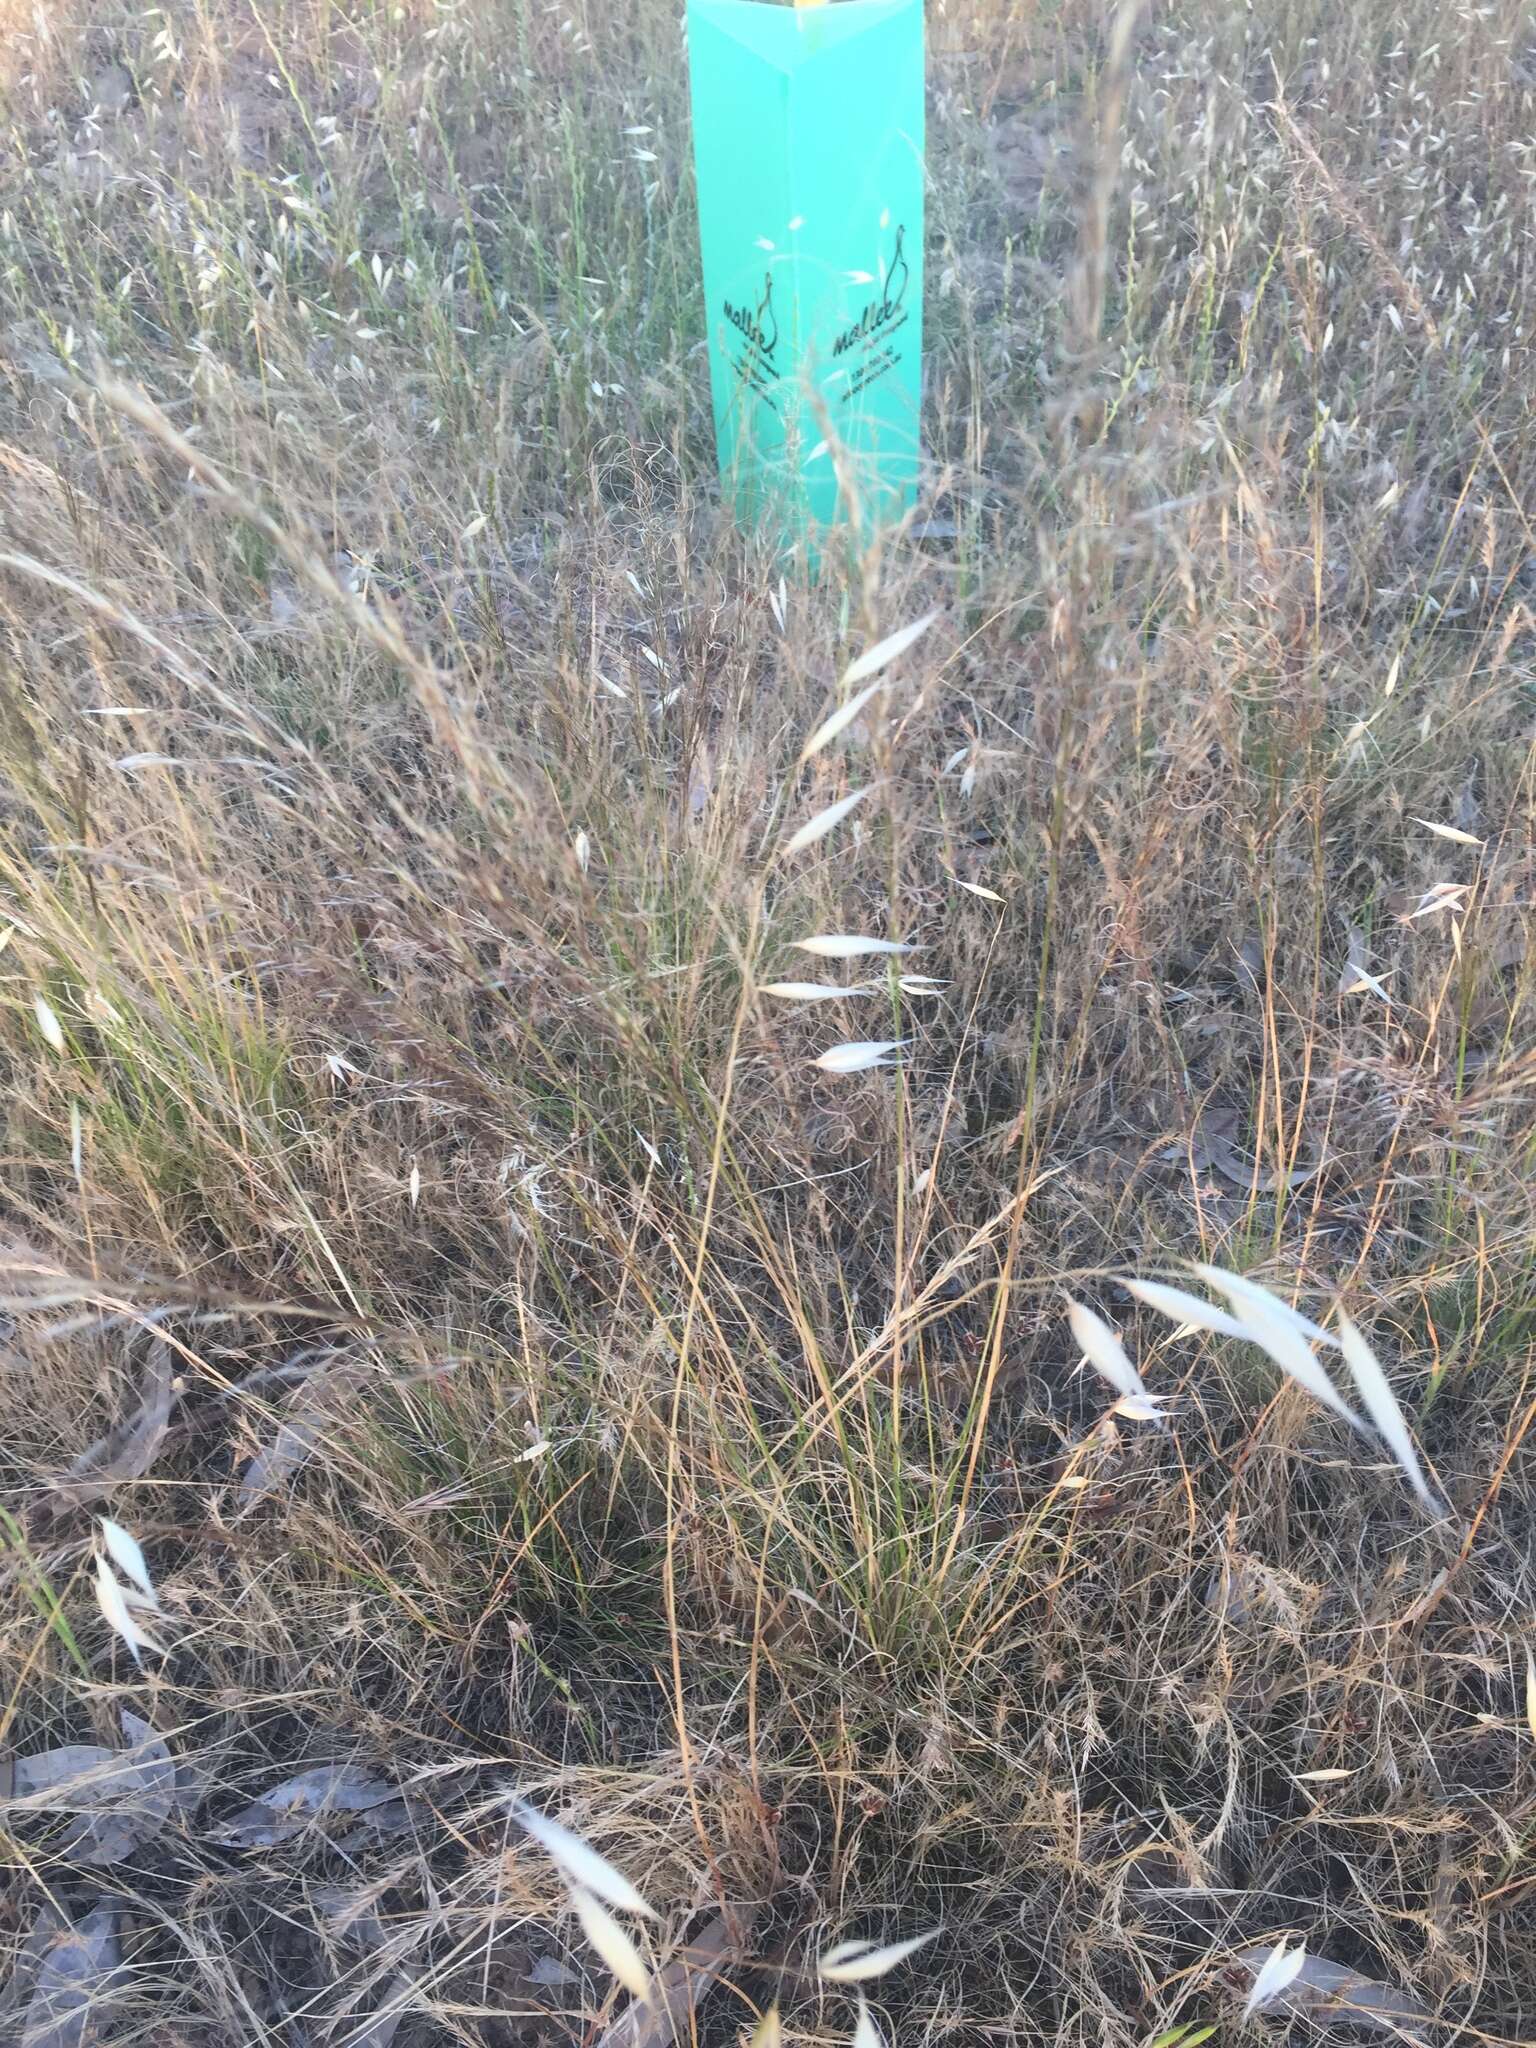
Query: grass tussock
pixel 560 1077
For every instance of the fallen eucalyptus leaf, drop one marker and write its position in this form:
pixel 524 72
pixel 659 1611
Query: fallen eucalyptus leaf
pixel 287 1809
pixel 552 1973
pixel 78 1975
pixel 350 1913
pixel 1249 960
pixel 332 1377
pixel 279 1460
pixel 379 2030
pixel 1211 1148
pixel 53 1770
pixel 44 1932
pixel 395 1817
pixel 138 1802
pixel 128 1451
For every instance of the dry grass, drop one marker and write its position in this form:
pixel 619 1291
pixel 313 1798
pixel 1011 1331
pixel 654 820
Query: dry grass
pixel 399 751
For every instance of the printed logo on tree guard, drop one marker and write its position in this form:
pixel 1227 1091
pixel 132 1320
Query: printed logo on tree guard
pixel 761 326
pixel 878 314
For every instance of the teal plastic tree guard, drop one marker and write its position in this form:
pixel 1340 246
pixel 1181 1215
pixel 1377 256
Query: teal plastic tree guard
pixel 808 144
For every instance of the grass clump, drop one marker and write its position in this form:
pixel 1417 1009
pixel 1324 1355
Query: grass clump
pixel 549 1362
